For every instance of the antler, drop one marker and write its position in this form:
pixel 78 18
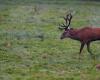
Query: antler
pixel 61 26
pixel 67 20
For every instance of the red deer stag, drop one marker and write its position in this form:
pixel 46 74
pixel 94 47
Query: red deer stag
pixel 85 35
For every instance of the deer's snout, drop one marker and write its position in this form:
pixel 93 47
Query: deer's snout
pixel 61 37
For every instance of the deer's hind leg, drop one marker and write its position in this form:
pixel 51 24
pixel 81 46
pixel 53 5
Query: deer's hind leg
pixel 88 49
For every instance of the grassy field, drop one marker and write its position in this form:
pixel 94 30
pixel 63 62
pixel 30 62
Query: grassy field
pixel 30 45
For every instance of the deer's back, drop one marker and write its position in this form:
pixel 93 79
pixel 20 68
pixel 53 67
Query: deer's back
pixel 89 34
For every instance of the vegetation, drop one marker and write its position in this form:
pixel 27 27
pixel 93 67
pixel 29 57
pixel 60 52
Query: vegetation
pixel 30 48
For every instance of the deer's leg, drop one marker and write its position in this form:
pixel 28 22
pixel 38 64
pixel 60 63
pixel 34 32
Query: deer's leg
pixel 88 49
pixel 81 48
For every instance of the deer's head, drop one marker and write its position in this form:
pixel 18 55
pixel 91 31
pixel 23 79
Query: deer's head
pixel 66 27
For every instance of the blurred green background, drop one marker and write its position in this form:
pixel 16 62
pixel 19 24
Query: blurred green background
pixel 30 45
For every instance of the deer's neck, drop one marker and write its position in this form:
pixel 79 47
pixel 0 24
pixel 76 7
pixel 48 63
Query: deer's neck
pixel 74 34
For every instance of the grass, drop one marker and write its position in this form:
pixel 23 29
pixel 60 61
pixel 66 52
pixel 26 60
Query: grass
pixel 30 48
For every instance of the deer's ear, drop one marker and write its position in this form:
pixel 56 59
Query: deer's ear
pixel 68 28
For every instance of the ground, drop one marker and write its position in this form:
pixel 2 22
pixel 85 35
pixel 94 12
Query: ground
pixel 30 45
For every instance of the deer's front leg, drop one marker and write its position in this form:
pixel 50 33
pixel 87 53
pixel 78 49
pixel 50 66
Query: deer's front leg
pixel 81 48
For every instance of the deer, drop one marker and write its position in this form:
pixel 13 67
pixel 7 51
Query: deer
pixel 84 35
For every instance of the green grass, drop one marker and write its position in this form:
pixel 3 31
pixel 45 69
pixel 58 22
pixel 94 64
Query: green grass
pixel 30 45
